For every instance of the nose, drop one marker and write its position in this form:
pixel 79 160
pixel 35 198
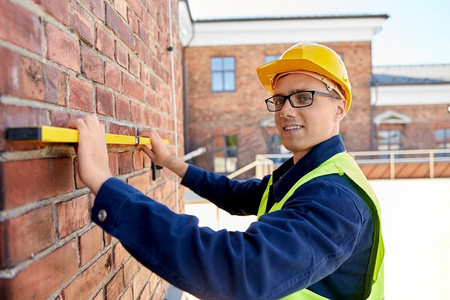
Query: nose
pixel 287 110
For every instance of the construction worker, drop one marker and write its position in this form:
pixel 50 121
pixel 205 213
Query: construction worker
pixel 318 232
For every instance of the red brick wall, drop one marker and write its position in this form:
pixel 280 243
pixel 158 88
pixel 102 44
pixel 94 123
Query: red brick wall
pixel 239 112
pixel 425 119
pixel 60 60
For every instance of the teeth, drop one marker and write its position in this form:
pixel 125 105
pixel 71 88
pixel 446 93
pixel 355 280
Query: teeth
pixel 293 127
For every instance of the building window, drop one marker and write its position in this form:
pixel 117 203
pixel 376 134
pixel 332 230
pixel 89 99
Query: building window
pixel 269 58
pixel 389 140
pixel 442 140
pixel 223 74
pixel 225 154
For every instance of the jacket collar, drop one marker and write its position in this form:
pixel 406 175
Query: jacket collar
pixel 288 174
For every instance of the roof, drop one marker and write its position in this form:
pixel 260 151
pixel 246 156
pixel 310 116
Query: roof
pixel 384 79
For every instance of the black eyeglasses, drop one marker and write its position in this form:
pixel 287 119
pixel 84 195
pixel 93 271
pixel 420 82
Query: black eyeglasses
pixel 298 100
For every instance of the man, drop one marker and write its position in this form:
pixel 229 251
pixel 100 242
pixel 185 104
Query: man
pixel 318 232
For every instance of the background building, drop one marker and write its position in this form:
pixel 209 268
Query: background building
pixel 411 107
pixel 225 111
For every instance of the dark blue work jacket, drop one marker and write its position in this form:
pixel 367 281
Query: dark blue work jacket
pixel 320 239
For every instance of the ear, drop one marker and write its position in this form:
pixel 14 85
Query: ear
pixel 341 109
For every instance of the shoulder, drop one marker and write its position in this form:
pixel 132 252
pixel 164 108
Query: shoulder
pixel 332 192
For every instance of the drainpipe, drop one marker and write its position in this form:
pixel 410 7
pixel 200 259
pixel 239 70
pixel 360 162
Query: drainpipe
pixel 372 114
pixel 175 118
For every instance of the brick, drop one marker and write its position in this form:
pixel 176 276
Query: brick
pixel 55 85
pixel 113 77
pixel 115 286
pixel 136 6
pixel 140 182
pixel 9 83
pixel 92 65
pixel 145 74
pixel 95 6
pixel 30 233
pixel 133 88
pixel 72 215
pixel 130 269
pixel 123 109
pixel 143 52
pixel 104 42
pixel 78 183
pixel 138 160
pixel 121 55
pixel 82 23
pixel 135 67
pixel 147 161
pixel 128 294
pixel 121 8
pixel 120 254
pixel 91 242
pixel 104 99
pixel 146 294
pixel 99 295
pixel 119 129
pixel 133 21
pixel 119 26
pixel 83 286
pixel 125 162
pixel 62 48
pixel 22 184
pixel 136 112
pixel 58 9
pixel 21 76
pixel 45 276
pixel 143 34
pixel 140 281
pixel 108 239
pixel 20 26
pixel 32 79
pixel 113 163
pixel 152 100
pixel 155 282
pixel 81 93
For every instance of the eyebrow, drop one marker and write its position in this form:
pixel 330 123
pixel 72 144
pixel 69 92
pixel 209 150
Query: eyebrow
pixel 292 92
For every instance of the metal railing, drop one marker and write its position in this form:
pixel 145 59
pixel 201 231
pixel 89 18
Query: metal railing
pixel 264 164
pixel 391 157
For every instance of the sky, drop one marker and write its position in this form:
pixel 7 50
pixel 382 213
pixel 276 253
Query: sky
pixel 417 32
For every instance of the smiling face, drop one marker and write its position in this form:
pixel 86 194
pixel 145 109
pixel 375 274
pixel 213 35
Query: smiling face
pixel 301 129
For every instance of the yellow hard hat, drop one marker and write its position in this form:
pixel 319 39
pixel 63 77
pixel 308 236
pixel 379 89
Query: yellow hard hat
pixel 309 57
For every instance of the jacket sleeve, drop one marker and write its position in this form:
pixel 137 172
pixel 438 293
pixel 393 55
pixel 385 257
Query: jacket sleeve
pixel 234 196
pixel 283 252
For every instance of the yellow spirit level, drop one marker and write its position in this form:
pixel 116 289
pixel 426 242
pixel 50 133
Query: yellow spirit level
pixel 49 134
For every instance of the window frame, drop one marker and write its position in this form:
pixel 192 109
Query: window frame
pixel 223 71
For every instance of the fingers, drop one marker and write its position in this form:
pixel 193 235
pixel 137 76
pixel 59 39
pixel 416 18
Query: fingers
pixel 145 132
pixel 76 123
pixel 87 122
pixel 147 150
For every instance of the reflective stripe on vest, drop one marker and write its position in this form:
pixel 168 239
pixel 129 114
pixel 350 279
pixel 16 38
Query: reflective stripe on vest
pixel 341 163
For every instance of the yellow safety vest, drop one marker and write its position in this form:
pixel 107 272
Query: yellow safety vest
pixel 341 163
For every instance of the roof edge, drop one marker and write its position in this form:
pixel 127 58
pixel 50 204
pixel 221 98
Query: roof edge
pixel 280 18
